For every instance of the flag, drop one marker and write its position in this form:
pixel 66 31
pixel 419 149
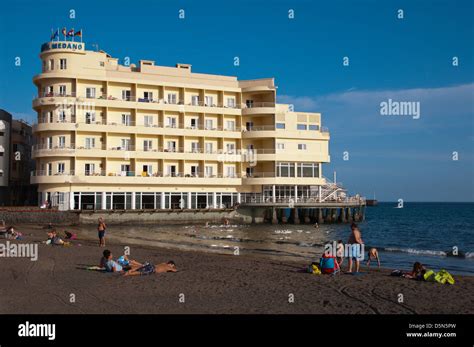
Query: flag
pixel 78 33
pixel 70 32
pixel 64 32
pixel 55 34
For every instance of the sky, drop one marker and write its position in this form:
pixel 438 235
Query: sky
pixel 407 59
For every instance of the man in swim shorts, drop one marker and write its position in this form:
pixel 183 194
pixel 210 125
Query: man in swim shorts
pixel 355 240
pixel 148 269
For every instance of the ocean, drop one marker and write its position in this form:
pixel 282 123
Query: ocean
pixel 424 232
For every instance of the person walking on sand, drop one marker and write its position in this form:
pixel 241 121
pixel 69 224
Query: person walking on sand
pixel 101 228
pixel 355 242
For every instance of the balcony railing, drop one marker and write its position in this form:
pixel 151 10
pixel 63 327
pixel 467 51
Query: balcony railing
pixel 133 148
pixel 40 173
pixel 163 101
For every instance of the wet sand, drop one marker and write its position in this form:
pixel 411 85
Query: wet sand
pixel 210 283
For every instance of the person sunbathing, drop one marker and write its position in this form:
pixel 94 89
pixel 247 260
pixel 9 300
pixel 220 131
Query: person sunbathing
pixel 148 269
pixel 122 264
pixel 417 273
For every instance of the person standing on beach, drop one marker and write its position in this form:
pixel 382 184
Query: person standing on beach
pixel 355 242
pixel 101 228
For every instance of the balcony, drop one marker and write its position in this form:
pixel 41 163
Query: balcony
pixel 132 177
pixel 258 108
pixel 135 102
pixel 131 151
pixel 270 178
pixel 157 128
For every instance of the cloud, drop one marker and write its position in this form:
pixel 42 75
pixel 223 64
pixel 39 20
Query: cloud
pixel 358 111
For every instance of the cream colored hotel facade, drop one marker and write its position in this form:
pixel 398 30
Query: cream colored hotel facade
pixel 111 136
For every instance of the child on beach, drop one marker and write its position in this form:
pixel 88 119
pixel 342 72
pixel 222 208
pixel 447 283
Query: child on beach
pixel 373 253
pixel 340 252
pixel 101 228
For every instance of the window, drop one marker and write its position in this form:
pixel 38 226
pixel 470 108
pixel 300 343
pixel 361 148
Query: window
pixel 101 63
pixel 194 122
pixel 280 125
pixel 313 127
pixel 208 171
pixel 195 100
pixel 62 116
pixel 209 100
pixel 90 117
pixel 194 170
pixel 230 148
pixel 49 168
pixel 126 95
pixel 51 64
pixel 89 142
pixel 90 93
pixel 280 146
pixel 249 126
pixel 302 146
pixel 61 168
pixel 171 170
pixel 301 126
pixel 172 98
pixel 89 169
pixel 61 141
pixel 230 125
pixel 285 170
pixel 148 121
pixel 147 170
pixel 125 144
pixel 49 142
pixel 125 169
pixel 62 64
pixel 308 170
pixel 45 65
pixel 62 90
pixel 126 119
pixel 208 147
pixel 249 171
pixel 171 146
pixel 195 147
pixel 170 122
pixel 231 102
pixel 147 145
pixel 249 103
pixel 230 171
pixel 148 96
pixel 209 124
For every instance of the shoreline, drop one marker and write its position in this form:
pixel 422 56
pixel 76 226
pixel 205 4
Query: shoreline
pixel 210 283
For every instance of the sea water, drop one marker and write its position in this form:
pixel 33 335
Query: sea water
pixel 424 232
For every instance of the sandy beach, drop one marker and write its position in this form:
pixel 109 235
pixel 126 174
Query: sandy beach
pixel 209 283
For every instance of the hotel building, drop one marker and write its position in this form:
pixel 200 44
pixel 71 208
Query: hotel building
pixel 145 136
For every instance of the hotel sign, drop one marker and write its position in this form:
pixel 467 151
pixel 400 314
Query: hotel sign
pixel 63 45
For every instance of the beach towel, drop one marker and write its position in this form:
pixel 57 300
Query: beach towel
pixel 442 277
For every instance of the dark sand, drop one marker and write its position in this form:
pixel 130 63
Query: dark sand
pixel 210 283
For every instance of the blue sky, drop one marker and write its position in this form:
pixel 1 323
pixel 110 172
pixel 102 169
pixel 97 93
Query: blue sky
pixel 405 60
